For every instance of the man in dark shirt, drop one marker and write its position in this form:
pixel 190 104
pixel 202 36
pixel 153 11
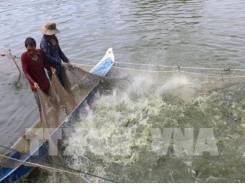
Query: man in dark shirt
pixel 51 49
pixel 33 65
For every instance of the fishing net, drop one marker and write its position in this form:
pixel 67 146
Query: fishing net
pixel 162 79
pixel 56 106
pixel 118 137
pixel 174 85
pixel 64 99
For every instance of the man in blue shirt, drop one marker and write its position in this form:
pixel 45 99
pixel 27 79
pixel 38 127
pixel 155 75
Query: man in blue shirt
pixel 51 49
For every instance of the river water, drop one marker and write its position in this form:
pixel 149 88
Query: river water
pixel 190 33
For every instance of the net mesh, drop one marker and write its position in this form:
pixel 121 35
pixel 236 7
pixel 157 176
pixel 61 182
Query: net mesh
pixel 56 106
pixel 200 81
pixel 120 125
pixel 62 100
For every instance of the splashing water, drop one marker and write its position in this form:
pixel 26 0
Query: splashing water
pixel 162 131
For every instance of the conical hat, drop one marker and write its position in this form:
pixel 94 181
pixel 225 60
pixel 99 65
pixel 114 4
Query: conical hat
pixel 49 28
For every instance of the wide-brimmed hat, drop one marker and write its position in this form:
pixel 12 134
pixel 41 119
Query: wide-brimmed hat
pixel 49 28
